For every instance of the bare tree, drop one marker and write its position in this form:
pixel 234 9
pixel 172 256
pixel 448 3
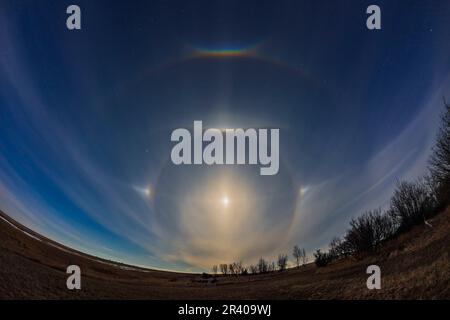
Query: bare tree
pixel 297 253
pixel 304 257
pixel 300 256
pixel 214 269
pixel 239 267
pixel 282 261
pixel 236 268
pixel 224 268
pixel 244 271
pixel 263 266
pixel 440 159
pixel 231 268
pixel 272 267
pixel 253 269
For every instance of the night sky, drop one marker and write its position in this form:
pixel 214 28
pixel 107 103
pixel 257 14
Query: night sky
pixel 86 118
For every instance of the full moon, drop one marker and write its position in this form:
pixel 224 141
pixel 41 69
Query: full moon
pixel 225 201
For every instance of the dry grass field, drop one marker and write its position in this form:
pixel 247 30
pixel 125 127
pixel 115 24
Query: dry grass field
pixel 416 265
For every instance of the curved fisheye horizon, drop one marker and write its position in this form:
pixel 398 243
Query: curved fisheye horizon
pixel 86 120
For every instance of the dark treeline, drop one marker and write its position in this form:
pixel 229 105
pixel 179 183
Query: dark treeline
pixel 262 266
pixel 412 203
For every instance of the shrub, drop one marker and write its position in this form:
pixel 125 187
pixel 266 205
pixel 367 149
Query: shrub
pixel 338 248
pixel 412 203
pixel 366 233
pixel 322 258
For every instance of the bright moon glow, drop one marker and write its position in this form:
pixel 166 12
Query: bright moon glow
pixel 221 216
pixel 225 201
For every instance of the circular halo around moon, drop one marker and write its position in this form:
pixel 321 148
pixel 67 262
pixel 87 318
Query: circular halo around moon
pixel 205 215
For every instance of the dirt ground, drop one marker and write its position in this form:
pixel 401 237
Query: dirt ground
pixel 414 266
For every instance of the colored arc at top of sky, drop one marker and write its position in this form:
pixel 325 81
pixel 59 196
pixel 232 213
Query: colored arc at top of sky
pixel 254 52
pixel 224 51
